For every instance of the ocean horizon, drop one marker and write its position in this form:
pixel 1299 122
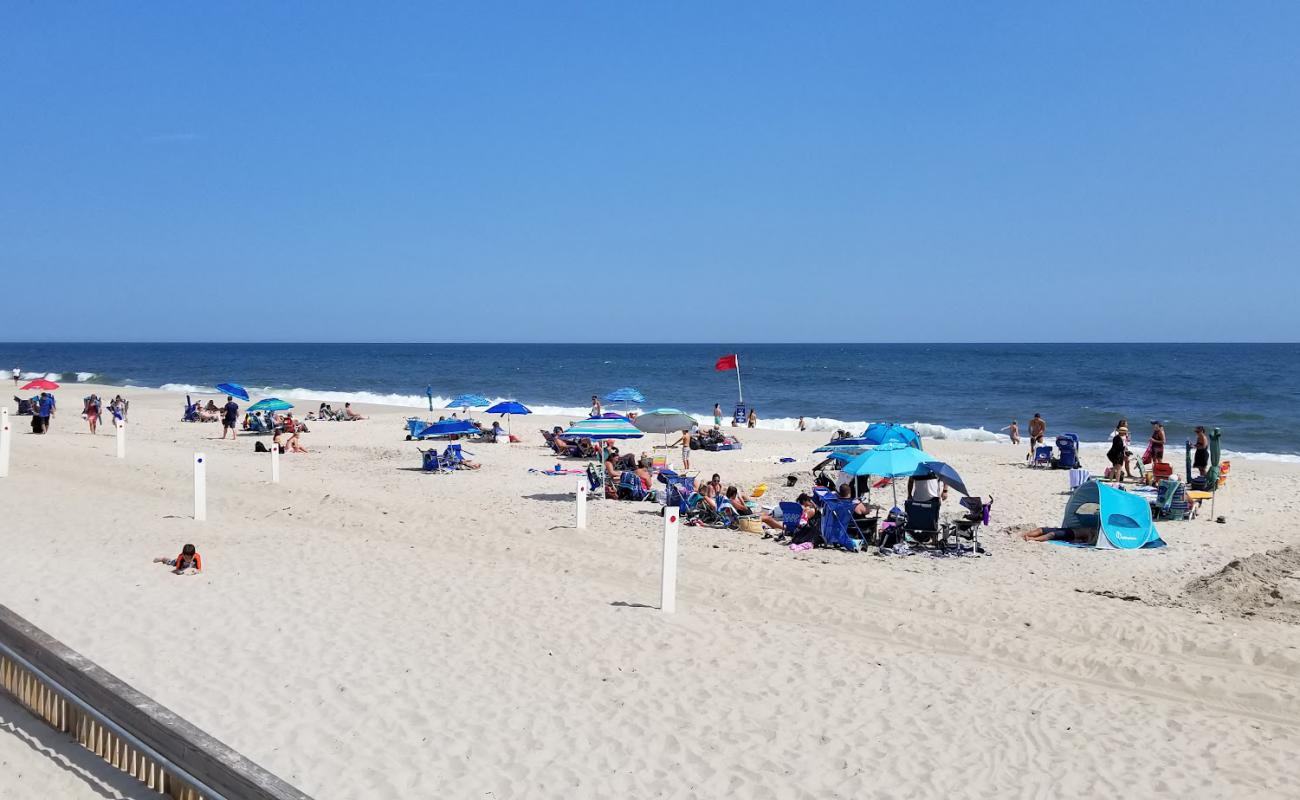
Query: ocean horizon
pixel 964 391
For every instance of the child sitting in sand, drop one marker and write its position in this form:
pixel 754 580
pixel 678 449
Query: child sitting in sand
pixel 189 560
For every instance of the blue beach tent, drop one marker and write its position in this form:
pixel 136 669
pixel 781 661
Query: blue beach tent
pixel 1123 518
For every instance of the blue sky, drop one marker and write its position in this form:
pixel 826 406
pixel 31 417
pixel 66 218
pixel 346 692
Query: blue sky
pixel 732 171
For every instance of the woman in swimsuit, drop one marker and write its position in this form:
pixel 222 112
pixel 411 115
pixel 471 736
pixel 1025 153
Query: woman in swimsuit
pixel 1202 458
pixel 1117 455
pixel 1157 444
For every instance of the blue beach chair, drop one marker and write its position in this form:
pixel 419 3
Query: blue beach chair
pixel 453 457
pixel 838 525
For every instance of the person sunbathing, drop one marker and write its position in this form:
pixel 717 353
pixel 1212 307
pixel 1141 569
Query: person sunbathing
pixel 860 509
pixel 643 472
pixel 349 414
pixel 738 501
pixel 807 516
pixel 295 444
pixel 189 560
pixel 1078 535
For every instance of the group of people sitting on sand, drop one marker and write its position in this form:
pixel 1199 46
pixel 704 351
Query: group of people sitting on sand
pixel 327 413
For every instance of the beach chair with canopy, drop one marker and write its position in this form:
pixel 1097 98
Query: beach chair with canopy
pixel 1122 519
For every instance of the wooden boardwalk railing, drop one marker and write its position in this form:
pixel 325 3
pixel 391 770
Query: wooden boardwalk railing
pixel 125 728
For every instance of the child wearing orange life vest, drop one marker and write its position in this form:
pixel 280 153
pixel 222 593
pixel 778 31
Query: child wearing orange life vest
pixel 189 559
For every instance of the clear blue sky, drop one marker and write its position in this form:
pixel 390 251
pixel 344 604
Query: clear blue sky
pixel 742 171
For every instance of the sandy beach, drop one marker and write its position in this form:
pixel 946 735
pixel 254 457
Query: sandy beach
pixel 367 630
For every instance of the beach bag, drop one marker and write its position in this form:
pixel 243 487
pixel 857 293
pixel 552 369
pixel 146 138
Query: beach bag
pixel 1146 456
pixel 750 525
pixel 259 447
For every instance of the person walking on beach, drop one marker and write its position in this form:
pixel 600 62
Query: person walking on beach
pixel 230 417
pixel 753 418
pixel 93 409
pixel 595 407
pixel 1156 446
pixel 717 415
pixel 1014 431
pixel 1201 462
pixel 17 374
pixel 45 411
pixel 1037 430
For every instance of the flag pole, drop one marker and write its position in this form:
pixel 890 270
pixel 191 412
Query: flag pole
pixel 740 392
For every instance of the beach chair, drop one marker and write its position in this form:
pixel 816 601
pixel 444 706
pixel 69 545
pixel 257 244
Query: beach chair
pixel 452 457
pixel 1067 444
pixel 677 489
pixel 791 513
pixel 191 411
pixel 630 488
pixel 698 512
pixel 429 461
pixel 921 521
pixel 1042 456
pixel 1171 501
pixel 967 526
pixel 414 425
pixel 838 525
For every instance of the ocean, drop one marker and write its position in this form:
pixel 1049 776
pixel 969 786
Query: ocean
pixel 955 391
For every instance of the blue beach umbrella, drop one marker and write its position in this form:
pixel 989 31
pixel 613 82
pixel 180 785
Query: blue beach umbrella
pixel 891 460
pixel 946 475
pixel 625 396
pixel 448 427
pixel 884 433
pixel 270 404
pixel 465 401
pixel 234 390
pixel 509 407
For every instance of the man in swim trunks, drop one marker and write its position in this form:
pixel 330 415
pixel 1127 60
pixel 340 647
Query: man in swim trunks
pixel 717 415
pixel 1037 430
pixel 230 417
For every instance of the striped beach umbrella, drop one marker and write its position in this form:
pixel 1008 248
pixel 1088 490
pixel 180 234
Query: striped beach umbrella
pixel 602 429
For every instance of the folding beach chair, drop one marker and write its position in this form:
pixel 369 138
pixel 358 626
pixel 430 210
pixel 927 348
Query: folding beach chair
pixel 921 521
pixel 1172 502
pixel 429 461
pixel 630 488
pixel 791 513
pixel 839 526
pixel 967 527
pixel 1042 456
pixel 452 458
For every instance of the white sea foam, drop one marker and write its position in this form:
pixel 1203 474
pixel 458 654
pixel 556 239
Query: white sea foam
pixel 419 401
pixel 1286 458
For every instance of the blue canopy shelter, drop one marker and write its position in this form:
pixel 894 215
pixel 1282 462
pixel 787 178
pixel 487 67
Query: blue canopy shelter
pixel 1122 519
pixel 447 427
pixel 625 396
pixel 877 433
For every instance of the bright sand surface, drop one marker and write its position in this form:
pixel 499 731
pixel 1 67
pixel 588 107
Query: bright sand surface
pixel 365 630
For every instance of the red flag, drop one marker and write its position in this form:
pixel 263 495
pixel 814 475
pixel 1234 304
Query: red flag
pixel 726 363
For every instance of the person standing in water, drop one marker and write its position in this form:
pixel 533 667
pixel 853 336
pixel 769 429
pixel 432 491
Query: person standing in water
pixel 802 425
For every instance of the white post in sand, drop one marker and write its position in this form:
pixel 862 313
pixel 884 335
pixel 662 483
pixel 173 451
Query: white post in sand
pixel 200 487
pixel 275 463
pixel 668 584
pixel 121 438
pixel 581 496
pixel 4 442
